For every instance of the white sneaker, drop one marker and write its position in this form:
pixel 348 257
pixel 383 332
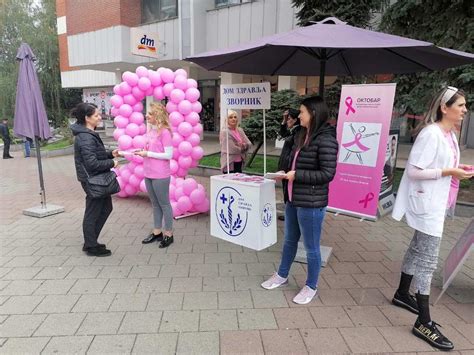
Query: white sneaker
pixel 305 295
pixel 274 282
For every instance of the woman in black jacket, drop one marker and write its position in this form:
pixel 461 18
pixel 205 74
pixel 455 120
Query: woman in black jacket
pixel 309 167
pixel 91 158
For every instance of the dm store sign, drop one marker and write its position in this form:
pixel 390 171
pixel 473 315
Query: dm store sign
pixel 143 43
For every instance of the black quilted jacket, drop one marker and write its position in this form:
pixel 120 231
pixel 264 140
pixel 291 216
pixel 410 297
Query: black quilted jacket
pixel 89 153
pixel 315 168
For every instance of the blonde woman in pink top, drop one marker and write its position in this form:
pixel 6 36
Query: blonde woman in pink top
pixel 239 145
pixel 156 165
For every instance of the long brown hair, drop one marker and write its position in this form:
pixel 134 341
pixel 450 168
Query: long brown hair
pixel 319 112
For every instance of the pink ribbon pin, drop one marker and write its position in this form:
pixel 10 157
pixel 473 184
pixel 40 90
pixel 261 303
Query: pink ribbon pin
pixel 368 197
pixel 349 107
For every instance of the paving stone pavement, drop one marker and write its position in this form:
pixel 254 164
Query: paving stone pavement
pixel 201 295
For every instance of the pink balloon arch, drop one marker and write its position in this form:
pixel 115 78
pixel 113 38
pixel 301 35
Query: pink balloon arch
pixel 186 195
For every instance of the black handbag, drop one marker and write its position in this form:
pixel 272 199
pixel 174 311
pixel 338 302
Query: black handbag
pixel 102 185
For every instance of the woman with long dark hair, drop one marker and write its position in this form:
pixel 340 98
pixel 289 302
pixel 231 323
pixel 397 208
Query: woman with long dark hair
pixel 309 167
pixel 427 193
pixel 91 159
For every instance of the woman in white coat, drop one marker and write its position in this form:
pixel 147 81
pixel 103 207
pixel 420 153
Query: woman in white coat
pixel 427 193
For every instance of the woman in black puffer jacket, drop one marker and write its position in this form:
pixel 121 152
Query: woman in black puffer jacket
pixel 91 158
pixel 309 167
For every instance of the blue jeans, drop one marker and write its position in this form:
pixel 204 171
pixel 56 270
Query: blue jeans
pixel 306 221
pixel 27 148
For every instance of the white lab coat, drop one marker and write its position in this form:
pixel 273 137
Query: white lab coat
pixel 424 202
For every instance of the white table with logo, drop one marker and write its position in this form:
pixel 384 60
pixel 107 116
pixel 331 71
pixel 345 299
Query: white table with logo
pixel 243 210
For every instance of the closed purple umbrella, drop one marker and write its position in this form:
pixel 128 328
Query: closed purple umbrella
pixel 30 118
pixel 331 47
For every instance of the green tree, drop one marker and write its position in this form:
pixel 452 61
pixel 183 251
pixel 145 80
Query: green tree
pixel 444 23
pixel 253 125
pixel 358 13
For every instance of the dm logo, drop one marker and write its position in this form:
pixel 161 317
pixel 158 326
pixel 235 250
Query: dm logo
pixel 232 219
pixel 147 44
pixel 267 215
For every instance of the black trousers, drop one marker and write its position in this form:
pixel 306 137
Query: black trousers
pixel 237 168
pixel 96 214
pixel 6 148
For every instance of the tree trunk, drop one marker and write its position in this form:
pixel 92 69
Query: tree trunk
pixel 249 164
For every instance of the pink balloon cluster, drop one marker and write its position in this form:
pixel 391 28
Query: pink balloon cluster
pixel 186 195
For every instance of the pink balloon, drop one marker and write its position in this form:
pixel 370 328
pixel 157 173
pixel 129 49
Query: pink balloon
pixel 136 117
pixel 171 107
pixel 173 166
pixel 125 142
pixel 197 153
pixel 192 83
pixel 138 107
pixel 125 110
pixel 171 192
pixel 138 93
pixel 142 129
pixel 144 83
pixel 176 211
pixel 149 91
pixel 185 129
pixel 197 129
pixel 130 99
pixel 117 90
pixel 184 162
pixel 143 186
pixel 116 101
pixel 184 203
pixel 118 133
pixel 182 72
pixel 120 122
pixel 193 139
pixel 177 95
pixel 200 187
pixel 192 118
pixel 181 82
pixel 142 72
pixel 134 181
pixel 139 142
pixel 178 192
pixel 158 93
pixel 132 129
pixel 131 166
pixel 167 75
pixel 176 154
pixel 167 88
pixel 120 181
pixel 125 174
pixel 179 182
pixel 176 139
pixel 192 94
pixel 185 148
pixel 130 190
pixel 139 171
pixel 189 185
pixel 194 164
pixel 175 118
pixel 185 107
pixel 155 78
pixel 197 197
pixel 114 111
pixel 130 78
pixel 197 107
pixel 125 88
pixel 202 207
pixel 122 193
pixel 172 180
pixel 137 159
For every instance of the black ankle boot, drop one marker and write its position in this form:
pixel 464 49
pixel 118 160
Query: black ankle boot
pixel 167 240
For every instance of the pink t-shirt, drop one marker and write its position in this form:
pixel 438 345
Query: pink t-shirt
pixel 293 166
pixel 156 142
pixel 236 134
pixel 453 191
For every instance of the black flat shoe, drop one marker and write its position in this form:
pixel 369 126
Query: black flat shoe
pixel 153 238
pixel 405 301
pixel 166 242
pixel 99 245
pixel 96 251
pixel 432 335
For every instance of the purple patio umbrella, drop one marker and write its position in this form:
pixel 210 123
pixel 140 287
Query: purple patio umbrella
pixel 30 119
pixel 331 47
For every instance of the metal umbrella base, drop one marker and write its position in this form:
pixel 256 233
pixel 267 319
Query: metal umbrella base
pixel 43 211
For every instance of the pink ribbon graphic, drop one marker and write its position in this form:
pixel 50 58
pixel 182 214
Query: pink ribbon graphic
pixel 368 197
pixel 348 103
pixel 357 142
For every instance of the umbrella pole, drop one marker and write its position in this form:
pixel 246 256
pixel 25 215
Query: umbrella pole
pixel 322 72
pixel 264 146
pixel 40 171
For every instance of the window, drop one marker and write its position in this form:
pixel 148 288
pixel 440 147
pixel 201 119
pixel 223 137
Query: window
pixel 156 10
pixel 222 3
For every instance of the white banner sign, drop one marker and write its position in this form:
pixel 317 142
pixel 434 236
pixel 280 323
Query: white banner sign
pixel 246 96
pixel 143 43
